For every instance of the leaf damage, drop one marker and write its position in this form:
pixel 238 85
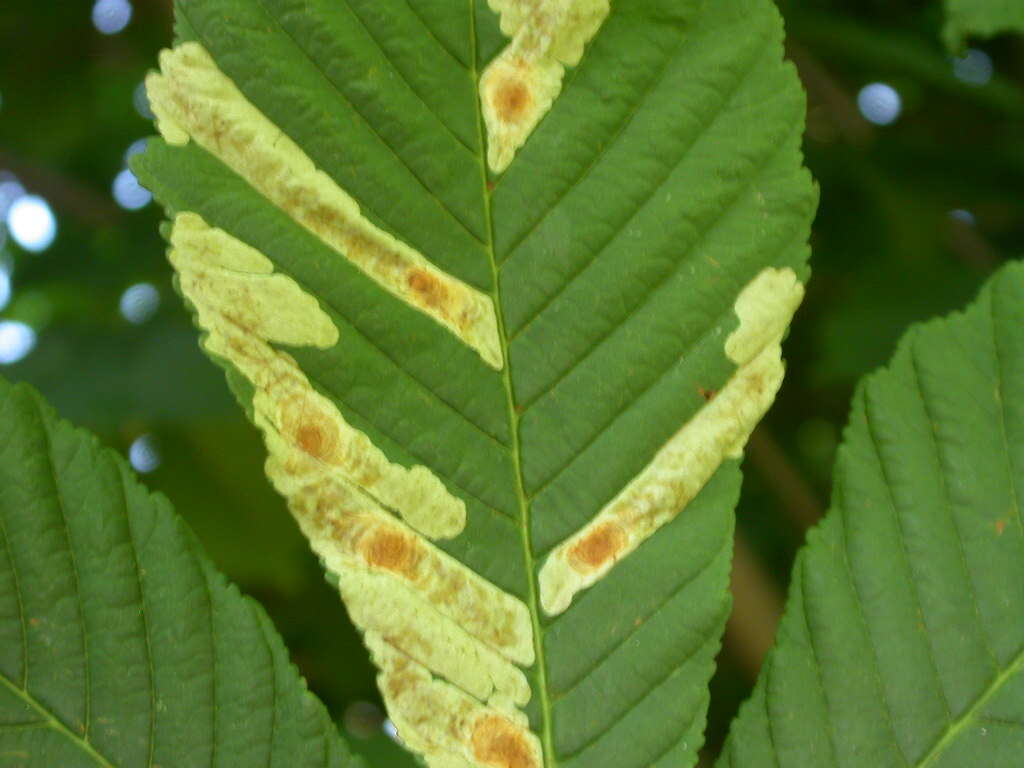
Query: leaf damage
pixel 446 639
pixel 519 86
pixel 688 460
pixel 193 99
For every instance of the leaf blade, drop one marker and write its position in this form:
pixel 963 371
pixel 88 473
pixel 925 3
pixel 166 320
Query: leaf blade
pixel 123 623
pixel 980 18
pixel 520 505
pixel 903 623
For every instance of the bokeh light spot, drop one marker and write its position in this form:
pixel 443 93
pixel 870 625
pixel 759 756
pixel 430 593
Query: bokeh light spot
pixel 959 214
pixel 880 103
pixel 5 287
pixel 16 341
pixel 139 302
pixel 974 67
pixel 391 731
pixel 10 190
pixel 137 147
pixel 32 223
pixel 129 193
pixel 140 100
pixel 144 454
pixel 111 16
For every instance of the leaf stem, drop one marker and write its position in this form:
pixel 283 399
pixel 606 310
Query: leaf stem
pixel 513 420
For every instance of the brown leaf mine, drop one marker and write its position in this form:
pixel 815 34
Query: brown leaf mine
pixel 519 86
pixel 687 461
pixel 193 99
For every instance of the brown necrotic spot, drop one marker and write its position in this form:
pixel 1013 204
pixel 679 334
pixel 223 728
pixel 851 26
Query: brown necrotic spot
pixel 499 743
pixel 599 547
pixel 427 290
pixel 391 550
pixel 512 100
pixel 311 430
pixel 311 439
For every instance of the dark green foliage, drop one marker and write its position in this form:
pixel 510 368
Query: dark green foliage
pixel 119 642
pixel 903 640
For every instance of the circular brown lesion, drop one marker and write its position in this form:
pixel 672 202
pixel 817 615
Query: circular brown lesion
pixel 311 439
pixel 391 550
pixel 512 99
pixel 498 743
pixel 599 547
pixel 310 429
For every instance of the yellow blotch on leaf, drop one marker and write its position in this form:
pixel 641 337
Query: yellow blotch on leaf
pixel 519 86
pixel 193 99
pixel 687 461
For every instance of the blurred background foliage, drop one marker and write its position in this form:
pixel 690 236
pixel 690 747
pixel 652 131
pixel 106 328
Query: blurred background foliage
pixel 920 159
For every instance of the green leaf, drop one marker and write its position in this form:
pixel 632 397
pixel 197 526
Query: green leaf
pixel 980 18
pixel 119 642
pixel 903 642
pixel 501 310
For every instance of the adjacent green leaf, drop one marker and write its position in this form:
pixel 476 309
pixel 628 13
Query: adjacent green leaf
pixel 903 642
pixel 119 642
pixel 488 396
pixel 981 18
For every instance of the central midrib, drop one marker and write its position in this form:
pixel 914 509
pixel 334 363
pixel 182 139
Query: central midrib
pixel 513 419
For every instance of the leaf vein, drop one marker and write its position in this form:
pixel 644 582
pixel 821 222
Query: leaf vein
pixel 448 479
pixel 602 151
pixel 75 575
pixel 819 675
pixel 866 627
pixel 876 446
pixel 369 124
pixel 941 466
pixel 433 112
pixel 658 184
pixel 458 60
pixel 420 385
pixel 20 603
pixel 144 615
pixel 672 672
pixel 1002 418
pixel 676 591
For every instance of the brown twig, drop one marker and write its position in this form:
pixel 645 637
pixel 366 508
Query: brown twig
pixel 774 467
pixel 757 609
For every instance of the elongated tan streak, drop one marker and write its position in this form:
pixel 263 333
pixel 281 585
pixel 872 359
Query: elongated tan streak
pixel 520 85
pixel 443 635
pixel 688 460
pixel 193 99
